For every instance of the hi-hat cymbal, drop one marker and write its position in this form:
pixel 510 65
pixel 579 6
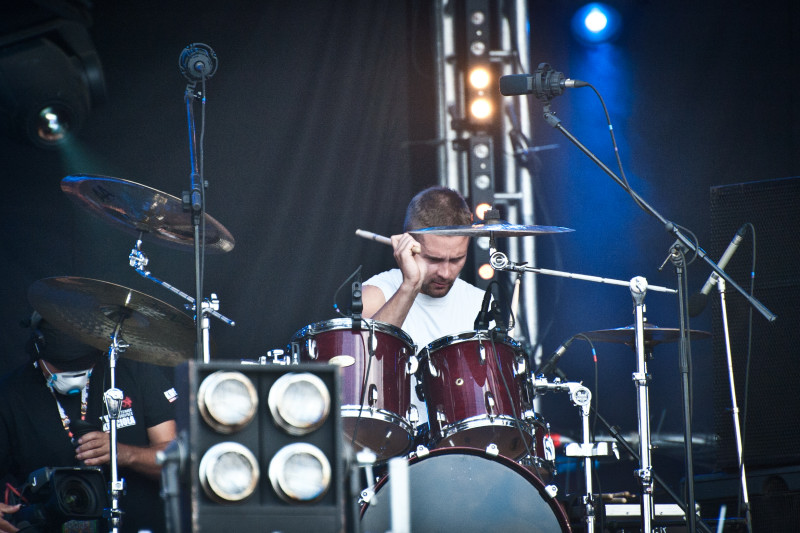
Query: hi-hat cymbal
pixel 499 229
pixel 90 309
pixel 652 335
pixel 141 209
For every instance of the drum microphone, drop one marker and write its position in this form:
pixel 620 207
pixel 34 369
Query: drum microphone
pixel 699 300
pixel 544 84
pixel 550 365
pixel 483 318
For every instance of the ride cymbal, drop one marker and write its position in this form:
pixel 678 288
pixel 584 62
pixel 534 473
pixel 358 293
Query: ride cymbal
pixel 139 209
pixel 652 335
pixel 499 229
pixel 90 310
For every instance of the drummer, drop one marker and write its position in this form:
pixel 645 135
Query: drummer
pixel 424 296
pixel 52 415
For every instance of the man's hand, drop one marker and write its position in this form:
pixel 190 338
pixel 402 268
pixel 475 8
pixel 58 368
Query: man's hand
pixel 94 448
pixel 411 264
pixel 5 526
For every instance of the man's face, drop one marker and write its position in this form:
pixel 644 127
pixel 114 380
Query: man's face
pixel 444 258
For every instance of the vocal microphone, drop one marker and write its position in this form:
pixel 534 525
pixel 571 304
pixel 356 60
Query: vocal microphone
pixel 197 61
pixel 544 84
pixel 550 365
pixel 699 300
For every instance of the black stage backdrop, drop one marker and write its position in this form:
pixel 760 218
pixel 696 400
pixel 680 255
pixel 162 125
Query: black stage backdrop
pixel 318 122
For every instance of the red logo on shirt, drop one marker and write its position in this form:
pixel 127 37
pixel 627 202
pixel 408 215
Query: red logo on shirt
pixel 127 402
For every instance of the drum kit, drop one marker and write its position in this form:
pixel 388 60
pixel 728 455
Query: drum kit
pixel 477 385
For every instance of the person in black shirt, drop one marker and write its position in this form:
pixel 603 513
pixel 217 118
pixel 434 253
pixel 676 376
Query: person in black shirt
pixel 52 414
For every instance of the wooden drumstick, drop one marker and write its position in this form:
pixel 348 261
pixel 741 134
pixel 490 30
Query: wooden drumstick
pixel 383 240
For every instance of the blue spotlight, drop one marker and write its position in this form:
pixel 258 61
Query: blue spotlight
pixel 596 23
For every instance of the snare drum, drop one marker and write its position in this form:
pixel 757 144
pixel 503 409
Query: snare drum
pixel 474 389
pixel 464 490
pixel 375 391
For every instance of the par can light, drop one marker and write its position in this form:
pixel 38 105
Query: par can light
pixel 300 473
pixel 227 401
pixel 229 472
pixel 299 403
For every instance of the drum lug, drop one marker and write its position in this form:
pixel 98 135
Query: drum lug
pixel 421 451
pixel 492 450
pixel 373 396
pixel 295 353
pixel 412 415
pixel 549 448
pixel 551 490
pixel 366 496
pixel 312 348
pixel 490 405
pixel 412 365
pixel 432 369
pixel 482 352
pixel 521 367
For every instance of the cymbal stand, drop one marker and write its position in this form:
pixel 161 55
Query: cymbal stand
pixel 113 398
pixel 734 405
pixel 641 378
pixel 581 397
pixel 138 260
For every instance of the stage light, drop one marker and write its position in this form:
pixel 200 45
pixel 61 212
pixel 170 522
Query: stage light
pixel 481 209
pixel 481 109
pixel 300 403
pixel 479 78
pixel 485 271
pixel 50 78
pixel 596 23
pixel 300 473
pixel 227 401
pixel 228 472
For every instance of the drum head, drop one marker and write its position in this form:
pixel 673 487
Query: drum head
pixel 458 490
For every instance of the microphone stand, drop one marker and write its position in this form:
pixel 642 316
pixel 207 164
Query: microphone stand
pixel 193 201
pixel 734 406
pixel 552 120
pixel 113 398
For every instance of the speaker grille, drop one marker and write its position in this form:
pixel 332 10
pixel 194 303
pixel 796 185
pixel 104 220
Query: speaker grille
pixel 771 432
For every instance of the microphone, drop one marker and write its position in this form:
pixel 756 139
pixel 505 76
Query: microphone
pixel 544 84
pixel 699 300
pixel 550 365
pixel 197 61
pixel 483 318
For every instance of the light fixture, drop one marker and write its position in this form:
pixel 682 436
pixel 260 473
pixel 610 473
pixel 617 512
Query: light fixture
pixel 299 403
pixel 300 473
pixel 228 472
pixel 50 78
pixel 227 401
pixel 596 23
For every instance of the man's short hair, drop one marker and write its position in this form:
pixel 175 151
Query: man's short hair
pixel 437 206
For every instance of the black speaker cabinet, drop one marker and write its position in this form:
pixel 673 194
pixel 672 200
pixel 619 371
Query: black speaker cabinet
pixel 767 387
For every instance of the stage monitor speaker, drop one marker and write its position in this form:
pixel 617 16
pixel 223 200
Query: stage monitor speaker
pixel 264 447
pixel 768 389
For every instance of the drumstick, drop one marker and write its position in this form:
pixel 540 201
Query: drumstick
pixel 383 240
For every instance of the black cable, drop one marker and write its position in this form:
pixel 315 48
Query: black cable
pixel 336 294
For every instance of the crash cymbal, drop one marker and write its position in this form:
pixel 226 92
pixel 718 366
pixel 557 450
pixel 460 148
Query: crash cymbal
pixel 90 309
pixel 652 335
pixel 140 209
pixel 499 229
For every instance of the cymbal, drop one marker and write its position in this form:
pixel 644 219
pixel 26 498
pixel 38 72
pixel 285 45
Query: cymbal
pixel 141 209
pixel 499 229
pixel 90 309
pixel 652 335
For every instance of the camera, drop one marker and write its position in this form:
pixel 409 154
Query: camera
pixel 56 495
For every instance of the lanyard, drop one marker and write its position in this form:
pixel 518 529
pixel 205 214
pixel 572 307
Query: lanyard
pixel 84 406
